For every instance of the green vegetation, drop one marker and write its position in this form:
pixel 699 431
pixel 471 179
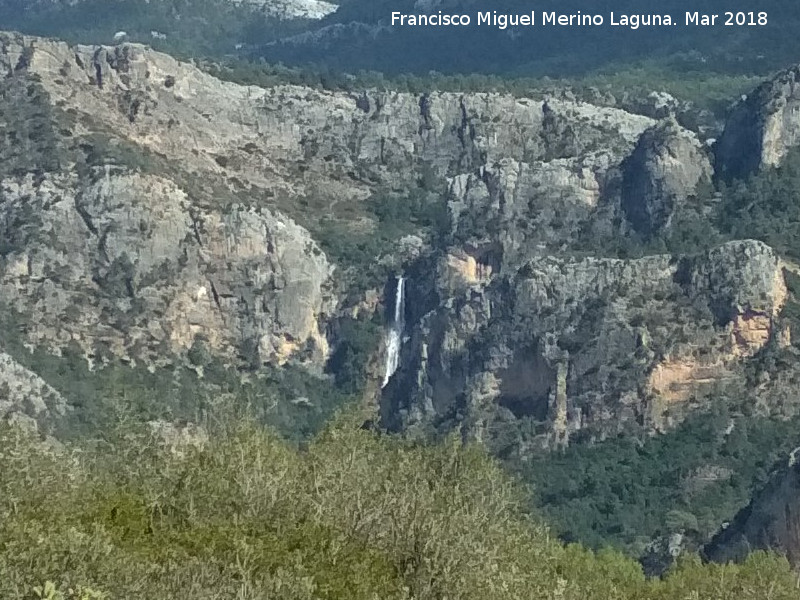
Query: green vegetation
pixel 538 51
pixel 628 491
pixel 193 28
pixel 766 207
pixel 705 88
pixel 386 216
pixel 214 29
pixel 355 515
pixel 28 142
pixel 290 399
pixel 359 339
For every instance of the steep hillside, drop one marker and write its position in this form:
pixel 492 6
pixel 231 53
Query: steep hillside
pixel 769 522
pixel 572 274
pixel 587 347
pixel 360 36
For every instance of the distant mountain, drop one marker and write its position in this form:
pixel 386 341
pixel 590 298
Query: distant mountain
pixel 283 9
pixel 209 28
pixel 360 36
pixel 291 9
pixel 353 35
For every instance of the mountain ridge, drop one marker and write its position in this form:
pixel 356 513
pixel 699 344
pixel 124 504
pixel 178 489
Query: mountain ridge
pixel 568 275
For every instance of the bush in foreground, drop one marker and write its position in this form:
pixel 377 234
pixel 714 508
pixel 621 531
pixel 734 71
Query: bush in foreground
pixel 354 515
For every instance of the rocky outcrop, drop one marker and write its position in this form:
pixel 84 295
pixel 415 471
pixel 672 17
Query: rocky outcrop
pixel 180 440
pixel 770 522
pixel 587 347
pixel 762 128
pixel 661 174
pixel 26 399
pixel 130 264
pixel 121 225
pixel 179 208
pixel 266 134
pixel 524 205
pixel 464 269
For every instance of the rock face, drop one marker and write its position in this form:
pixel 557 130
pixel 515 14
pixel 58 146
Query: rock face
pixel 167 208
pixel 110 256
pixel 266 135
pixel 141 259
pixel 584 347
pixel 26 399
pixel 770 522
pixel 762 128
pixel 134 254
pixel 662 173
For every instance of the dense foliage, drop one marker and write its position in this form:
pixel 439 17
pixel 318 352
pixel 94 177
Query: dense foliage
pixel 27 137
pixel 627 491
pixel 355 515
pixel 359 35
pixel 193 388
pixel 766 206
pixel 185 27
pixel 417 210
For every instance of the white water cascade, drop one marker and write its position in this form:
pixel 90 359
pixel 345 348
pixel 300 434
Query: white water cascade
pixel 394 339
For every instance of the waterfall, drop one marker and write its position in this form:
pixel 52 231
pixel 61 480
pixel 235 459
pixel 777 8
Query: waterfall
pixel 394 338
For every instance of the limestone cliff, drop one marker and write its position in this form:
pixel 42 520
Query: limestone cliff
pixel 662 173
pixel 129 263
pixel 273 136
pixel 147 207
pixel 585 347
pixel 762 127
pixel 172 207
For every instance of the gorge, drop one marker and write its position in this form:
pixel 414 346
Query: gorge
pixel 564 270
